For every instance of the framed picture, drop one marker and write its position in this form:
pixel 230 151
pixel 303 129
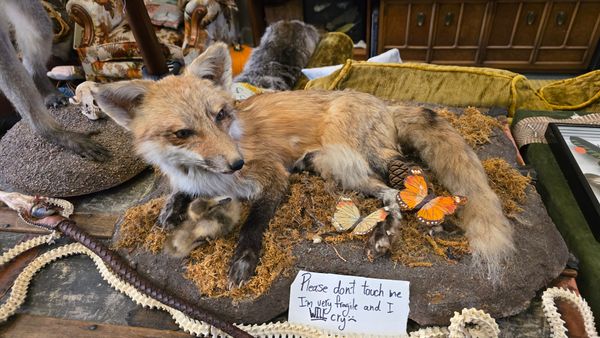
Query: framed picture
pixel 577 151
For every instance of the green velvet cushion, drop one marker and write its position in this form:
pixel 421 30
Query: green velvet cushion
pixel 445 85
pixel 564 210
pixel 333 49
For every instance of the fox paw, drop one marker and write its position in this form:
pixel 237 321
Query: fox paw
pixel 391 202
pixel 167 220
pixel 379 243
pixel 242 267
pixel 173 212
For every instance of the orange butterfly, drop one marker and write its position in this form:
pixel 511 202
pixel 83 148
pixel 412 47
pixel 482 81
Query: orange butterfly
pixel 347 217
pixel 432 209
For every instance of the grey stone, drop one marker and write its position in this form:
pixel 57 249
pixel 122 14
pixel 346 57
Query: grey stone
pixel 435 292
pixel 29 164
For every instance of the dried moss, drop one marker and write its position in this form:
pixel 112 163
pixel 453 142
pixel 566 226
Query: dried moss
pixel 413 245
pixel 307 214
pixel 508 183
pixel 475 127
pixel 138 227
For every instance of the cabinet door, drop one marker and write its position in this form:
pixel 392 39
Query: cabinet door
pixel 405 25
pixel 570 35
pixel 458 32
pixel 513 33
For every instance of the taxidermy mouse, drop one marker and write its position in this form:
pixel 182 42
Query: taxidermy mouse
pixel 26 85
pixel 206 219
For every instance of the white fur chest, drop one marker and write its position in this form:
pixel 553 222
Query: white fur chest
pixel 203 183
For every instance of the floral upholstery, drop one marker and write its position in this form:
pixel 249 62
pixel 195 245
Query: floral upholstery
pixel 107 49
pixel 61 23
pixel 164 14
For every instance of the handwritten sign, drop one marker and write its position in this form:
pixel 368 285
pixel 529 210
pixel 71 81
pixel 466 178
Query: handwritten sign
pixel 349 304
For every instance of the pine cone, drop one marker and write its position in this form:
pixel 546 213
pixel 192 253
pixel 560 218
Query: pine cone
pixel 398 170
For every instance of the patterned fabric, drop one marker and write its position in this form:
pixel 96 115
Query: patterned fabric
pixel 165 15
pixel 113 53
pixel 61 23
pixel 105 14
pixel 123 33
pixel 116 61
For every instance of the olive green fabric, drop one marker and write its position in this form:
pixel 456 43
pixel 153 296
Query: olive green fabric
pixel 333 49
pixel 566 214
pixel 575 93
pixel 459 86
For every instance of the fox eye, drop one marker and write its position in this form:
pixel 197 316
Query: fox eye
pixel 221 115
pixel 184 133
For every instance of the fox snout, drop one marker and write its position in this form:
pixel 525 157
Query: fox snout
pixel 236 164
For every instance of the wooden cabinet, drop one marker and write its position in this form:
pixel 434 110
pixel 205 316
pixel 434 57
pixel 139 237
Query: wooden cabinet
pixel 534 35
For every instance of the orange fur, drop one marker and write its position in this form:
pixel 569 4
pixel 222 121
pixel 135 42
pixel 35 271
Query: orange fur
pixel 351 137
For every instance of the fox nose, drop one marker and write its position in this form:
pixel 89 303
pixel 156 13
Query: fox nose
pixel 237 164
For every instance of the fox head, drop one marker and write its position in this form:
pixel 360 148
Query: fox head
pixel 181 123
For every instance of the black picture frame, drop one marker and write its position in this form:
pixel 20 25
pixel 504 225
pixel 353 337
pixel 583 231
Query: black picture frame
pixel 579 167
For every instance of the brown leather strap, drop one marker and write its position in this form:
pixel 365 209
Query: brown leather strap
pixel 70 229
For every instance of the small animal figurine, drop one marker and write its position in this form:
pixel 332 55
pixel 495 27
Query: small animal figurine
pixel 432 209
pixel 206 219
pixel 347 217
pixel 83 96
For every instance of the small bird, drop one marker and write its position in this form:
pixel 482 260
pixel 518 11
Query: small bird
pixel 206 219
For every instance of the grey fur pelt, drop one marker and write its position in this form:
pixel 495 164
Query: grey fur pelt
pixel 284 50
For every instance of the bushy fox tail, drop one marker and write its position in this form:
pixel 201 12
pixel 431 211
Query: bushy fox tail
pixel 457 167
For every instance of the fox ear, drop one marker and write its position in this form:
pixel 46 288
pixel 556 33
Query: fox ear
pixel 214 64
pixel 119 100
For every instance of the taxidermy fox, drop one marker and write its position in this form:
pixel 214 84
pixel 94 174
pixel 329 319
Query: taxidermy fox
pixel 26 85
pixel 190 127
pixel 207 218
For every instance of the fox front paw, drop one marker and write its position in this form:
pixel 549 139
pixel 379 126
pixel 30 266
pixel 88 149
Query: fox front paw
pixel 242 267
pixel 173 212
pixel 167 219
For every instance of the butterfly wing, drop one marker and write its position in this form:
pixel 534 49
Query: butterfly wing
pixel 346 214
pixel 369 222
pixel 414 192
pixel 434 211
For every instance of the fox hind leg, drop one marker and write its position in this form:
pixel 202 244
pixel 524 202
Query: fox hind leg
pixel 352 171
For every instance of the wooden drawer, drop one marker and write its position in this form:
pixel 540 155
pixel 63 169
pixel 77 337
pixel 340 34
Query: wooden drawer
pixel 522 35
pixel 457 32
pixel 571 31
pixel 513 32
pixel 405 25
pixel 440 32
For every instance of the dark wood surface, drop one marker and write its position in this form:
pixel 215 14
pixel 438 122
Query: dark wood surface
pixel 97 224
pixel 257 19
pixel 48 327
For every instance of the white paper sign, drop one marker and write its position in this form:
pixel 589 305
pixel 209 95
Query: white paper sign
pixel 349 304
